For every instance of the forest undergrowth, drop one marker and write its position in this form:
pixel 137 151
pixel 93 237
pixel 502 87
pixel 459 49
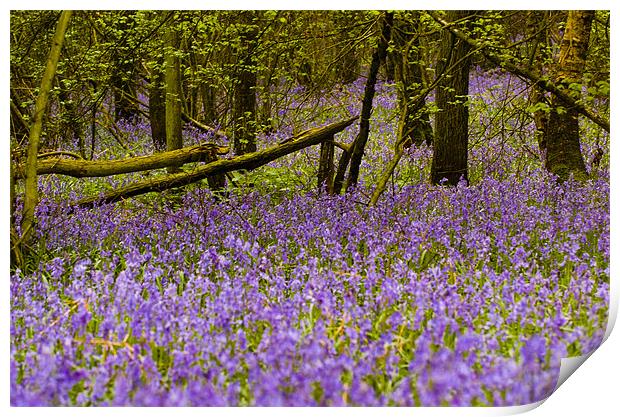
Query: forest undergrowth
pixel 276 294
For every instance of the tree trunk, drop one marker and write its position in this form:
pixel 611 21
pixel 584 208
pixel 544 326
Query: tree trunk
pixel 31 190
pixel 348 67
pixel 123 76
pixel 325 177
pixel 157 110
pixel 244 104
pixel 71 123
pixel 520 71
pixel 414 125
pixel 208 103
pixel 451 122
pixel 174 127
pixel 359 144
pixel 563 156
pixel 538 54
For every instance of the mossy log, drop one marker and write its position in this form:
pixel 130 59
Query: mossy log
pixel 83 168
pixel 247 162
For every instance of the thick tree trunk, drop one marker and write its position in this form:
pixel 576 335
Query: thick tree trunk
pixel 244 104
pixel 563 156
pixel 414 125
pixel 174 127
pixel 157 110
pixel 31 195
pixel 359 144
pixel 451 122
pixel 248 161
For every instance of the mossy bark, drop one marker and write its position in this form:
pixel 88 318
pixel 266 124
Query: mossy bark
pixel 450 150
pixel 174 136
pixel 248 161
pixel 563 154
pixel 414 127
pixel 123 79
pixel 84 168
pixel 157 110
pixel 244 103
pixel 31 195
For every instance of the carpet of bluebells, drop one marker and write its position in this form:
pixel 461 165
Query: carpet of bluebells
pixel 278 295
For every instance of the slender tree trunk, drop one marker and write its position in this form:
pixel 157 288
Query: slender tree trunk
pixel 244 104
pixel 208 104
pixel 31 191
pixel 348 67
pixel 539 54
pixel 325 177
pixel 414 125
pixel 123 77
pixel 399 148
pixel 563 155
pixel 451 122
pixel 71 123
pixel 157 110
pixel 359 144
pixel 174 134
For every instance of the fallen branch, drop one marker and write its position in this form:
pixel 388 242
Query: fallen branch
pixel 84 168
pixel 55 153
pixel 248 161
pixel 203 127
pixel 522 72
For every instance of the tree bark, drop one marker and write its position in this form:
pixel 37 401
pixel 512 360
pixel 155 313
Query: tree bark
pixel 84 168
pixel 208 103
pixel 248 161
pixel 174 127
pixel 359 144
pixel 244 104
pixel 538 54
pixel 414 125
pixel 123 76
pixel 31 195
pixel 157 110
pixel 540 81
pixel 563 156
pixel 71 122
pixel 451 122
pixel 325 177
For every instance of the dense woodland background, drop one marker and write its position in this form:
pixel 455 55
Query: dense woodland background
pixel 201 144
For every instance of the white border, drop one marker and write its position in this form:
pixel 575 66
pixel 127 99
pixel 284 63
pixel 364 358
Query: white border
pixel 593 388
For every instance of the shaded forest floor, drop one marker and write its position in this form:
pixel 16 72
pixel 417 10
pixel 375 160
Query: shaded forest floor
pixel 279 295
